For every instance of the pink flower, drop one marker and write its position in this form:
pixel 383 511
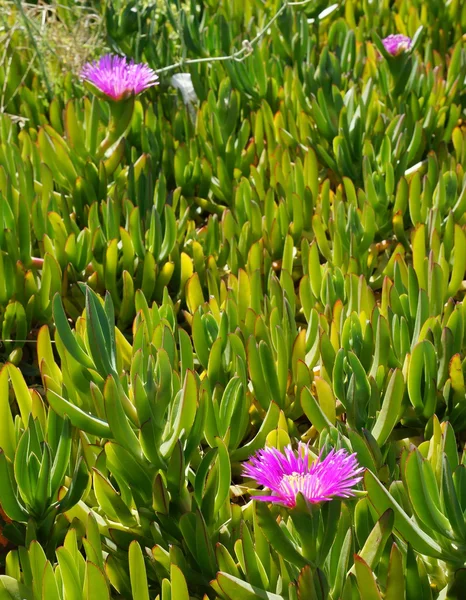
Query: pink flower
pixel 288 473
pixel 117 78
pixel 396 44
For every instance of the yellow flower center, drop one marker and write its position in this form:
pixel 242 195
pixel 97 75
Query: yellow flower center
pixel 295 482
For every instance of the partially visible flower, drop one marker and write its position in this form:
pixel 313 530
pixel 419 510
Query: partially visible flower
pixel 396 44
pixel 288 473
pixel 118 78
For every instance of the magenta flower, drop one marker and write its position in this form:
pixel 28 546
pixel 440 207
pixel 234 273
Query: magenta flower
pixel 117 78
pixel 396 44
pixel 288 473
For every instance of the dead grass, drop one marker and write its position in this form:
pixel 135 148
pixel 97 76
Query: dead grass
pixel 58 38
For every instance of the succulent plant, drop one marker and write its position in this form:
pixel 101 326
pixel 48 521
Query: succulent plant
pixel 192 294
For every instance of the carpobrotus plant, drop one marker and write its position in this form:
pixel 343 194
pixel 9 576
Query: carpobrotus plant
pixel 118 81
pixel 288 473
pixel 287 266
pixel 397 51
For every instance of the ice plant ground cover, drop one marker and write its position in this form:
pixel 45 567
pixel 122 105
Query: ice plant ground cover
pixel 232 312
